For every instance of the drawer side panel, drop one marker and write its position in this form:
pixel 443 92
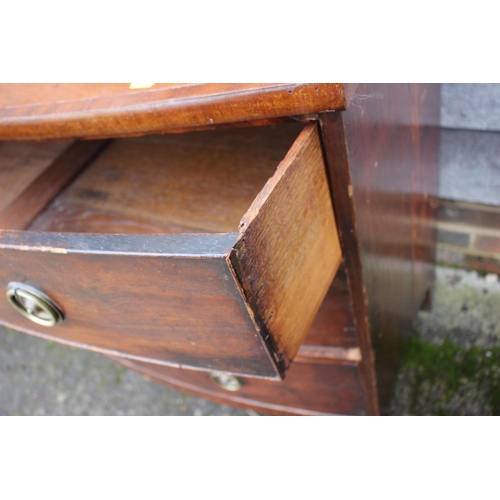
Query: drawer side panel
pixel 288 251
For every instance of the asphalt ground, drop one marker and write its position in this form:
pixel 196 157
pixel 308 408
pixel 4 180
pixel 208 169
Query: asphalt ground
pixel 38 377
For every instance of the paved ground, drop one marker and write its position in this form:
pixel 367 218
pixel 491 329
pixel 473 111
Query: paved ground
pixel 44 378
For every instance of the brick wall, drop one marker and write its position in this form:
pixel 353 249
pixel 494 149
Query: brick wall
pixel 468 226
pixel 468 235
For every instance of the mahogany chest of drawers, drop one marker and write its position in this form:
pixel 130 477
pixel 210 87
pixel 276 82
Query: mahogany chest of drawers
pixel 265 245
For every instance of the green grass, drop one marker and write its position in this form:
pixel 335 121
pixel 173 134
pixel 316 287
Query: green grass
pixel 453 366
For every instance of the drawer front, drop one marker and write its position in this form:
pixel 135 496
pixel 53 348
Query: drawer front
pixel 237 302
pixel 162 305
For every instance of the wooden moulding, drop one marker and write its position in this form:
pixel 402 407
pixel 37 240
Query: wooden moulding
pixel 62 111
pixel 237 302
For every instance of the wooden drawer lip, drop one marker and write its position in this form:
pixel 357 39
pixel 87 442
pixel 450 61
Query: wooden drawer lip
pixel 227 298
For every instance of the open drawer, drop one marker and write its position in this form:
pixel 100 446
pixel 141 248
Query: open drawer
pixel 209 250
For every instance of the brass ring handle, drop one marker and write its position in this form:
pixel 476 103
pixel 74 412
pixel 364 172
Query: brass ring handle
pixel 226 381
pixel 34 304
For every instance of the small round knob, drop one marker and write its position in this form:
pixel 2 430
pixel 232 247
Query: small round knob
pixel 34 304
pixel 226 381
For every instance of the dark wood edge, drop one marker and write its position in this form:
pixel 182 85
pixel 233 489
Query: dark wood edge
pixel 332 130
pixel 269 347
pixel 163 245
pixel 278 359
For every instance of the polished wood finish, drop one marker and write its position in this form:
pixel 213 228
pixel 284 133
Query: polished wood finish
pixel 340 180
pixel 382 155
pixel 309 389
pixel 288 251
pixel 62 111
pixel 198 182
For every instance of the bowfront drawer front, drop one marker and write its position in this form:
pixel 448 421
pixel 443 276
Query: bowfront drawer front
pixel 239 301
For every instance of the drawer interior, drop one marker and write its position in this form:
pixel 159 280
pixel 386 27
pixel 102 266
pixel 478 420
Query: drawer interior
pixel 23 162
pixel 200 182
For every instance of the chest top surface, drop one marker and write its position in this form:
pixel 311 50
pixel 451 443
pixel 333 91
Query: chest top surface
pixel 89 110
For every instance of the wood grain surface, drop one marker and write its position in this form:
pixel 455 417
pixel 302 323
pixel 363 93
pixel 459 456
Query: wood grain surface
pixel 288 252
pixel 333 325
pixel 22 163
pixel 38 193
pixel 197 182
pixel 62 111
pixel 309 389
